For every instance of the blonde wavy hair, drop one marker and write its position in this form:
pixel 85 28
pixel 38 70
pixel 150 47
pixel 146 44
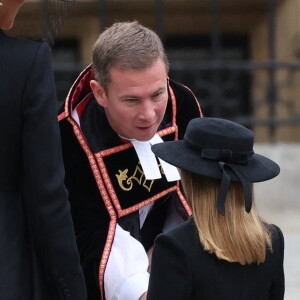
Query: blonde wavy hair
pixel 235 237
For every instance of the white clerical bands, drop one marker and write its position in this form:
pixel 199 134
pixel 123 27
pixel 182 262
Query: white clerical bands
pixel 148 160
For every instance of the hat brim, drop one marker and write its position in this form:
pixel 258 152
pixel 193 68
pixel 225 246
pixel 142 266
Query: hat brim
pixel 259 168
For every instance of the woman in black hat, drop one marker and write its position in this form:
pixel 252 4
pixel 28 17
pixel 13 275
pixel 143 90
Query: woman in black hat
pixel 38 255
pixel 224 251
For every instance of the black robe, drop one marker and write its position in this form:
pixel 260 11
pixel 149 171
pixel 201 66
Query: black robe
pixel 105 180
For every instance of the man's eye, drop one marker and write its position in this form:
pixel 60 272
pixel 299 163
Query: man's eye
pixel 158 96
pixel 131 100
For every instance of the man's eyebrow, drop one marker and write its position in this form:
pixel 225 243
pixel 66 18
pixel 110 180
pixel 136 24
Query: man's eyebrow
pixel 124 97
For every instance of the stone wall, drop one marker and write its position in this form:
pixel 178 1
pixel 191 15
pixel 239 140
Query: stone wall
pixel 278 200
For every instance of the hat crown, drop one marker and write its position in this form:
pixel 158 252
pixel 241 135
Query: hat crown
pixel 221 134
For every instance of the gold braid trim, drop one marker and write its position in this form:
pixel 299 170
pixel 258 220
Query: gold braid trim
pixel 174 111
pixel 81 139
pixel 124 212
pixel 183 200
pixel 106 253
pixel 112 225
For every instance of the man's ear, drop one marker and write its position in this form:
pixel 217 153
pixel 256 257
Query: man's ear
pixel 99 92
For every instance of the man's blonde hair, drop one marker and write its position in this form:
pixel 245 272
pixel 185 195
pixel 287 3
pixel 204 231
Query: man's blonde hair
pixel 127 45
pixel 237 236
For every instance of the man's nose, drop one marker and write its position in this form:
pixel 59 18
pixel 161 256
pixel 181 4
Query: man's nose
pixel 147 111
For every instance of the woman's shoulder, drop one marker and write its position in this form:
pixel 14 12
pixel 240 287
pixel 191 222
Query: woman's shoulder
pixel 277 238
pixel 21 47
pixel 185 230
pixel 275 231
pixel 19 40
pixel 19 56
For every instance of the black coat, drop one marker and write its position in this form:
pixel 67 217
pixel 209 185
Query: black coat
pixel 38 255
pixel 182 270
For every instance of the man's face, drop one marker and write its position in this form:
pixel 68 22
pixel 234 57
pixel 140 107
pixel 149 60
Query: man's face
pixel 135 101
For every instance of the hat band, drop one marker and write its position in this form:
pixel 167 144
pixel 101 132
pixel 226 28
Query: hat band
pixel 224 187
pixel 226 155
pixel 227 159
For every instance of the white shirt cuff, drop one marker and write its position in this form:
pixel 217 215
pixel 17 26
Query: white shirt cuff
pixel 134 287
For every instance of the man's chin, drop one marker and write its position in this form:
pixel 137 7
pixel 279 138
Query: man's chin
pixel 146 137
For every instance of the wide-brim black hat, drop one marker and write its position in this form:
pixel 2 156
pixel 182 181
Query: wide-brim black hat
pixel 220 149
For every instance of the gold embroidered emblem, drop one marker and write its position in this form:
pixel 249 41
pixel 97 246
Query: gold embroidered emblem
pixel 138 176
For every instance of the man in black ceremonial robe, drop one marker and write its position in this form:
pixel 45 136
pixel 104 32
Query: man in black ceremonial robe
pixel 121 195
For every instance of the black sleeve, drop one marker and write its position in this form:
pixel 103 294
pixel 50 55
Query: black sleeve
pixel 278 286
pixel 45 197
pixel 170 276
